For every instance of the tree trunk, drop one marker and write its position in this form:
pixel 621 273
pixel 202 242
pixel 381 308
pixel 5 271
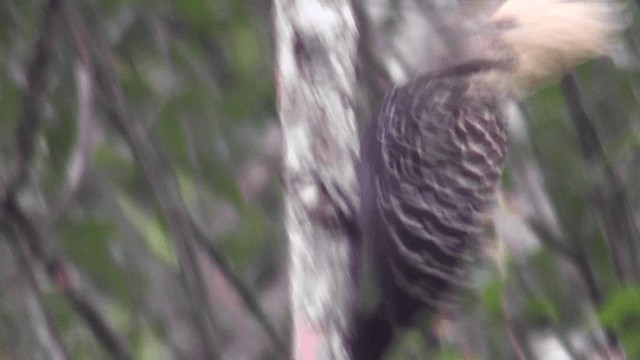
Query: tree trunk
pixel 316 44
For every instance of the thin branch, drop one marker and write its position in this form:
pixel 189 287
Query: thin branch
pixel 550 240
pixel 140 142
pixel 548 232
pixel 57 269
pixel 609 198
pixel 574 252
pixel 514 340
pixel 500 259
pixel 526 170
pixel 160 176
pixel 582 263
pixel 23 147
pixel 62 274
pixel 532 293
pixel 163 182
pixel 56 349
pixel 576 255
pixel 247 297
pixel 85 126
pixel 249 191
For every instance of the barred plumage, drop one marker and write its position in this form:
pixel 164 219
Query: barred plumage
pixel 430 161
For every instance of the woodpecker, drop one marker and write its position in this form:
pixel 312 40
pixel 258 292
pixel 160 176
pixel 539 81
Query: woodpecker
pixel 432 158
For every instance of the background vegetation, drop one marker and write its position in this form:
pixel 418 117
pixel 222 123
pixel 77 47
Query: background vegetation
pixel 140 204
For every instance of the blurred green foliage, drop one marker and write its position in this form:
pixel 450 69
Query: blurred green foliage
pixel 198 78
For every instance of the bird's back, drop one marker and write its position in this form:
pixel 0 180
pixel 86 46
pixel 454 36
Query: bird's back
pixel 430 162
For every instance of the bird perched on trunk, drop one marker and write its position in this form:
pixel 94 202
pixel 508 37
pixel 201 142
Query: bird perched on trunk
pixel 432 158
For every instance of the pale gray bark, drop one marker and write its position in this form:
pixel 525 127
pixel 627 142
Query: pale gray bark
pixel 316 49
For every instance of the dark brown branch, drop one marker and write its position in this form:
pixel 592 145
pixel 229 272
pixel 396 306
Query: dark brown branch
pixel 550 240
pixel 247 297
pixel 99 326
pixel 576 256
pixel 165 187
pixel 160 176
pixel 79 35
pixel 23 147
pixel 55 346
pixel 60 273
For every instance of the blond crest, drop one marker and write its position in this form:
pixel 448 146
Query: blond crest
pixel 550 37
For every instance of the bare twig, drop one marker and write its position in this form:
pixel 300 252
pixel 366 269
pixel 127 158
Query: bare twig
pixel 566 245
pixel 23 152
pixel 245 294
pixel 165 187
pixel 514 340
pixel 526 170
pixel 575 253
pixel 560 240
pixel 85 127
pixel 531 293
pixel 23 147
pixel 609 197
pixel 160 176
pixel 221 262
pixel 501 261
pixel 145 149
pixel 53 342
pixel 62 274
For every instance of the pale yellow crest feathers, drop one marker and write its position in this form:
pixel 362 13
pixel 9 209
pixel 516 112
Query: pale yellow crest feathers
pixel 550 37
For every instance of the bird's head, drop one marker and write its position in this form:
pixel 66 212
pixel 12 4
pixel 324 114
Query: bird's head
pixel 544 39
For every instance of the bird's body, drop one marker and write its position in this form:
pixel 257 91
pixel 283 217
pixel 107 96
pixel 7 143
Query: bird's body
pixel 430 163
pixel 431 159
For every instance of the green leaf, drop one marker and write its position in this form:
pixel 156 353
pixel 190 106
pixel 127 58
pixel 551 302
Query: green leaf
pixel 10 100
pixel 492 298
pixel 197 13
pixel 407 345
pixel 150 229
pixel 541 311
pixel 115 165
pixel 88 243
pixel 170 130
pixel 246 54
pixel 149 346
pixel 448 354
pixel 620 306
pixel 249 243
pixel 621 313
pixel 59 308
